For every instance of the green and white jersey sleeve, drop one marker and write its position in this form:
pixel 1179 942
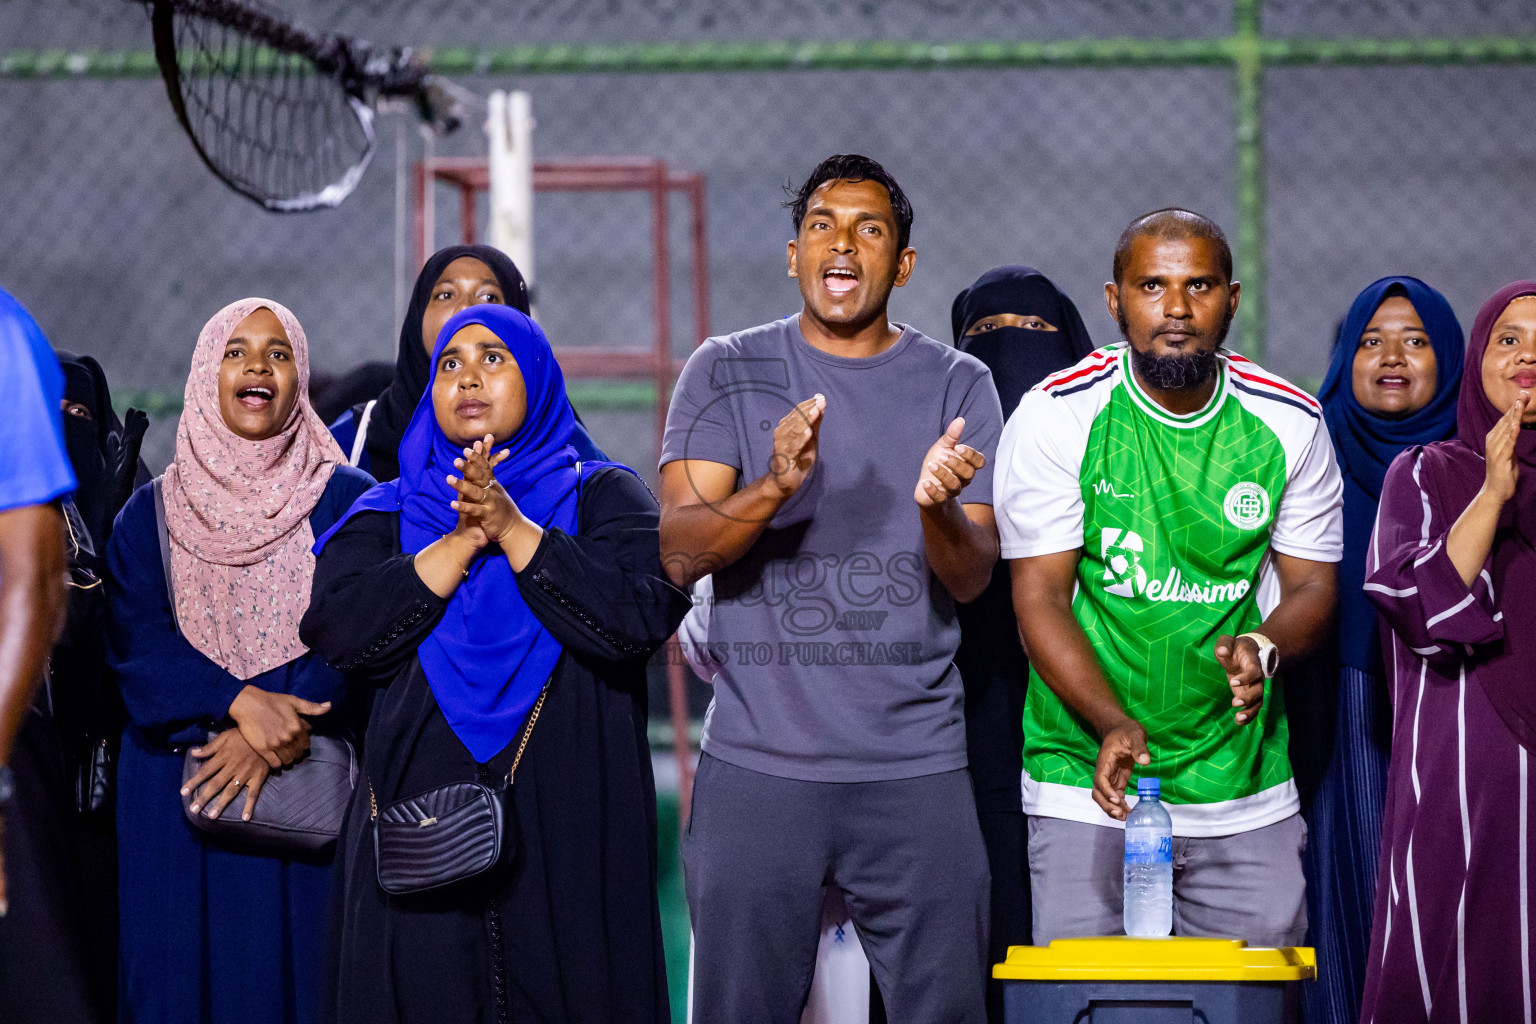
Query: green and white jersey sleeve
pixel 1176 519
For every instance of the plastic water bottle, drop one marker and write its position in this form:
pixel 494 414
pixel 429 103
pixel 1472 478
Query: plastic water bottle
pixel 1148 864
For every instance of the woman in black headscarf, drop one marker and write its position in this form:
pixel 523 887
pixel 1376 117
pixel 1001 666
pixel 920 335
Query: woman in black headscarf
pixel 454 278
pixel 1022 326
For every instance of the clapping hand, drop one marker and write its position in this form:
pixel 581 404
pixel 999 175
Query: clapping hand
pixel 1503 467
pixel 947 468
pixel 794 445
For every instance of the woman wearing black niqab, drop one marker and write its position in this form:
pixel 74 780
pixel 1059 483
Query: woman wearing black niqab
pixel 1022 326
pixel 103 452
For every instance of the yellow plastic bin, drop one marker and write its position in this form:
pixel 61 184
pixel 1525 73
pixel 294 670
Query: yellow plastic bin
pixel 1120 980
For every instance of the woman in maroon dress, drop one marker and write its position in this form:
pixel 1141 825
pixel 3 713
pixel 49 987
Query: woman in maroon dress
pixel 1453 570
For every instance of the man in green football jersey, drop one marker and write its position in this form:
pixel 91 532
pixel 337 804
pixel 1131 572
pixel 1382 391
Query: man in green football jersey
pixel 1172 516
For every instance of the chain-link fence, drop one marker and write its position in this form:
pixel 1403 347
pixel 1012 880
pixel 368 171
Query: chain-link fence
pixel 1330 158
pixel 1336 140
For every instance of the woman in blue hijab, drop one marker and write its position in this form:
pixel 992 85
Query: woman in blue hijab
pixel 497 567
pixel 1393 383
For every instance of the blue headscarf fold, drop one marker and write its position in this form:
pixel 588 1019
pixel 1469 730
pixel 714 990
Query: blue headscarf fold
pixel 1367 443
pixel 489 656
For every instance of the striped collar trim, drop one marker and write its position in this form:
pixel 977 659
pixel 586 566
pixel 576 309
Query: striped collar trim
pixel 1091 366
pixel 1199 418
pixel 1246 369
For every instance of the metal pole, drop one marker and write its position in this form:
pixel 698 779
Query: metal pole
pixel 467 220
pixel 697 204
pixel 509 131
pixel 403 270
pixel 1249 259
pixel 661 271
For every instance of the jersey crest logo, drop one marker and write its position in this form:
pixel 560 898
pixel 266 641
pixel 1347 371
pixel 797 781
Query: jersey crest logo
pixel 1121 552
pixel 1246 506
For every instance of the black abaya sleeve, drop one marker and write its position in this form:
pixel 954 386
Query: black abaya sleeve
pixel 604 594
pixel 369 610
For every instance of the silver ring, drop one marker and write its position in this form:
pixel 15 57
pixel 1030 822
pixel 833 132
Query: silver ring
pixel 237 783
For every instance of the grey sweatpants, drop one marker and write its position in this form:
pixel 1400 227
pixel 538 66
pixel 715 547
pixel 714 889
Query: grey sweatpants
pixel 1243 886
pixel 759 851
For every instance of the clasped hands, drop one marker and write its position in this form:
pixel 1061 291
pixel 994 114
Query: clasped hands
pixel 271 731
pixel 487 514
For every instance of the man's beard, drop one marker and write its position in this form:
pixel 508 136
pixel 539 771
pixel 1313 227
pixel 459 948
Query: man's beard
pixel 1178 372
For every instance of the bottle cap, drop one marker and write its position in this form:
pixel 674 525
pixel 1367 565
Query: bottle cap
pixel 1149 787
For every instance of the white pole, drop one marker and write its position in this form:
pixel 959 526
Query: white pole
pixel 509 130
pixel 404 272
pixel 429 191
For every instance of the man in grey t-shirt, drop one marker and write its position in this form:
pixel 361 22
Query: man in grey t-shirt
pixel 832 472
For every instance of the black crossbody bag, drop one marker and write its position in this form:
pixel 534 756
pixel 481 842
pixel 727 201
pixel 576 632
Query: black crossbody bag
pixel 449 834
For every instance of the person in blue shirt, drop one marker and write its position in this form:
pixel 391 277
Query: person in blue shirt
pixel 203 637
pixel 454 279
pixel 41 975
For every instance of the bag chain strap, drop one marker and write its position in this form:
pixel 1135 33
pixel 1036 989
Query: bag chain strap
pixel 533 716
pixel 517 759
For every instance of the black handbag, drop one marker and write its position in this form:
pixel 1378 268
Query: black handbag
pixel 301 807
pixel 449 834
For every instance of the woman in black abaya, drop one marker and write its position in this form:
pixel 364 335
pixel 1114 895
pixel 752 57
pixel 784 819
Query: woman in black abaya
pixel 1022 326
pixel 548 580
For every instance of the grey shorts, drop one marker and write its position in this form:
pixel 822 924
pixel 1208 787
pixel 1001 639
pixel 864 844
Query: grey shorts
pixel 1244 886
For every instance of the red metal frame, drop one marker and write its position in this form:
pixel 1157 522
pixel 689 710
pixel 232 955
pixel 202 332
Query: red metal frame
pixel 472 177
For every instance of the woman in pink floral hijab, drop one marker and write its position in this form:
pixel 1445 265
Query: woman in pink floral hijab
pixel 238 497
pixel 255 477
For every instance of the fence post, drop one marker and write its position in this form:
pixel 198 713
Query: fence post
pixel 1248 65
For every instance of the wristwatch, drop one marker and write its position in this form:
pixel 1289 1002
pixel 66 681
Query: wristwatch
pixel 7 786
pixel 1269 654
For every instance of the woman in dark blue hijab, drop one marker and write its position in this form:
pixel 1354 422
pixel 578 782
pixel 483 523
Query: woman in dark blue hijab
pixel 480 577
pixel 1393 383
